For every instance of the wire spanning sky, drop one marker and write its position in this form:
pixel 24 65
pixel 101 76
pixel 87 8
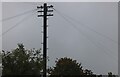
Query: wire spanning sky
pixel 86 32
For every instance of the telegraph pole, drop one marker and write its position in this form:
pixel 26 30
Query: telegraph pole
pixel 44 10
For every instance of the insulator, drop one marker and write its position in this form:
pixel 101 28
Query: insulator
pixel 51 6
pixel 39 7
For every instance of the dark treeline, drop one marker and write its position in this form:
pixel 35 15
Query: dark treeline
pixel 21 62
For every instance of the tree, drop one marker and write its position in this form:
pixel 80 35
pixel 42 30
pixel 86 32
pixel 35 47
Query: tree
pixel 22 62
pixel 66 67
pixel 88 72
pixel 110 74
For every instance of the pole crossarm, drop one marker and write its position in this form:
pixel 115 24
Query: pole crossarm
pixel 46 15
pixel 42 10
pixel 47 11
pixel 51 6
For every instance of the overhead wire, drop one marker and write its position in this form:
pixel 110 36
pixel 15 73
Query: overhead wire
pixel 93 30
pixel 17 24
pixel 72 19
pixel 81 24
pixel 23 20
pixel 18 15
pixel 73 25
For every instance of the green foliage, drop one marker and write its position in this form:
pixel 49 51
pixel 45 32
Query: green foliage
pixel 110 74
pixel 66 67
pixel 88 72
pixel 29 62
pixel 22 62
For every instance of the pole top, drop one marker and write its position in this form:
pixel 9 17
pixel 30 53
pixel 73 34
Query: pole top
pixel 45 3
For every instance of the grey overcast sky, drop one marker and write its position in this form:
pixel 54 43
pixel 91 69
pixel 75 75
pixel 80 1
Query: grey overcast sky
pixel 82 31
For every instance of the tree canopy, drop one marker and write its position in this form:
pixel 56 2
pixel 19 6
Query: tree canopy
pixel 68 67
pixel 21 61
pixel 111 75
